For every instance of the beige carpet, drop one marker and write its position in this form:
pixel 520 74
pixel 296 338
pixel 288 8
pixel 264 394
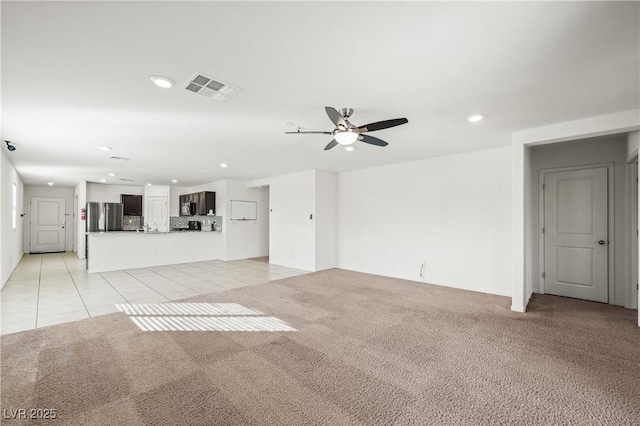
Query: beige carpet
pixel 368 350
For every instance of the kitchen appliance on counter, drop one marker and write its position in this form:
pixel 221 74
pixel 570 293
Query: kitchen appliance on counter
pixel 195 225
pixel 104 217
pixel 188 209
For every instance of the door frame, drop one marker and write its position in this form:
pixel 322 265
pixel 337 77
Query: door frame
pixel 631 169
pixel 610 222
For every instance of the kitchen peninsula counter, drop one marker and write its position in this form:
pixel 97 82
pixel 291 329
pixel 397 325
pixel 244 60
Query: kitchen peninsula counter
pixel 116 250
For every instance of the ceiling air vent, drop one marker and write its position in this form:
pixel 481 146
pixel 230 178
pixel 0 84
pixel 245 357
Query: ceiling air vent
pixel 211 88
pixel 118 158
pixel 126 180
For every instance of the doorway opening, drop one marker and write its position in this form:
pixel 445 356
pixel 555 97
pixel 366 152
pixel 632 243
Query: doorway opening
pixel 580 220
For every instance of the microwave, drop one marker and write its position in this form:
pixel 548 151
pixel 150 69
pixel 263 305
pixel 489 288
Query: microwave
pixel 188 209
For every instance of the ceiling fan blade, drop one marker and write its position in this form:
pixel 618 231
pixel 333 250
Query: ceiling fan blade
pixel 371 140
pixel 307 133
pixel 379 125
pixel 336 117
pixel 330 145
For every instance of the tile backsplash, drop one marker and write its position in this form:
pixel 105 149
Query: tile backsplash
pixel 183 221
pixel 132 223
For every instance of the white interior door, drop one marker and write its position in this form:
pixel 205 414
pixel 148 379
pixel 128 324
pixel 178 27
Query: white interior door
pixel 157 213
pixel 47 229
pixel 576 234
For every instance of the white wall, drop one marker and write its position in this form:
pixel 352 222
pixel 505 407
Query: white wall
pixel 50 192
pixel 326 219
pixel 80 192
pixel 291 228
pixel 246 238
pixel 633 144
pixel 110 193
pixel 302 224
pixel 11 241
pixel 453 213
pixel 608 149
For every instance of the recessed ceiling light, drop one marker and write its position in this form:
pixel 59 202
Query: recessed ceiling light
pixel 224 165
pixel 174 180
pixel 50 183
pixel 148 184
pixel 163 82
pixel 113 174
pixel 349 148
pixel 105 148
pixel 475 118
pixel 103 180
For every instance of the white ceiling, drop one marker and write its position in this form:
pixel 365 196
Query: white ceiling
pixel 75 76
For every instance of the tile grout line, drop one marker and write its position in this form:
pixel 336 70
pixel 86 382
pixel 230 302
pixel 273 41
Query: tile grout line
pixel 38 299
pixel 200 279
pixel 76 287
pixel 166 278
pixel 114 289
pixel 133 276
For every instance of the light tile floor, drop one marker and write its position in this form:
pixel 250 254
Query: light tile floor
pixel 47 289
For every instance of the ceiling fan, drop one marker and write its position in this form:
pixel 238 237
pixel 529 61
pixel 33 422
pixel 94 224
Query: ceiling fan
pixel 346 133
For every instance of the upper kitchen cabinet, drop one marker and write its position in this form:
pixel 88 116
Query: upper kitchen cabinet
pixel 132 205
pixel 206 203
pixel 198 203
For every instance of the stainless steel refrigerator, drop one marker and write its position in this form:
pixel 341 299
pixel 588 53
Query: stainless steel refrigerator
pixel 104 217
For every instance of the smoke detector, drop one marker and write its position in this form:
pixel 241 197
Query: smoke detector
pixel 210 87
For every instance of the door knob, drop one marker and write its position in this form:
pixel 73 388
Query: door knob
pixel 602 242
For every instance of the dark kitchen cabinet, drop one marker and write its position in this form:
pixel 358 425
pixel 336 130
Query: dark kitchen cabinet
pixel 204 201
pixel 131 205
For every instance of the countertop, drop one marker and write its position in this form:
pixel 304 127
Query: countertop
pixel 173 231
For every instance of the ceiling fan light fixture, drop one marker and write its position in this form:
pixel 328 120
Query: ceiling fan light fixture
pixel 346 138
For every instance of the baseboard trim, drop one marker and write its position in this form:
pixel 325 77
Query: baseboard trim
pixel 516 308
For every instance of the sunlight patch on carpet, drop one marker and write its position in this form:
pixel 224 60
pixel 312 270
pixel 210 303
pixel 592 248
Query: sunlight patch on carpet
pixel 200 317
pixel 185 309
